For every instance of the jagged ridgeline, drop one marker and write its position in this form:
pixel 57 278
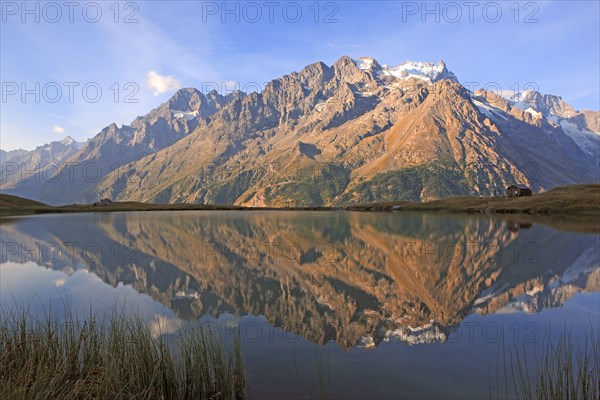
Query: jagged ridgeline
pixel 353 132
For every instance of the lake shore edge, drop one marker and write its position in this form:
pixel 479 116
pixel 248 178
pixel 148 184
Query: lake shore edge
pixel 575 200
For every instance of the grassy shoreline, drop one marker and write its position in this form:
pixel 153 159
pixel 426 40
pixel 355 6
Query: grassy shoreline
pixel 581 200
pixel 571 200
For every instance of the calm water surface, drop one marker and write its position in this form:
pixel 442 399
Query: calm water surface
pixel 349 305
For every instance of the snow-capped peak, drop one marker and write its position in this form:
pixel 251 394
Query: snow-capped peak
pixel 426 71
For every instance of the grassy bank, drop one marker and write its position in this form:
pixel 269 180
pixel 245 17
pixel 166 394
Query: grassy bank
pixel 113 358
pixel 566 200
pixel 14 205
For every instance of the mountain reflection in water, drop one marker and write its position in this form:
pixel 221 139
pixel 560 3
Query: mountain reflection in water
pixel 356 278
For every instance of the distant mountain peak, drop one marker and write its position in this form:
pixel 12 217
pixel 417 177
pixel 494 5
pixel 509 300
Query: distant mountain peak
pixel 68 140
pixel 367 63
pixel 546 104
pixel 188 99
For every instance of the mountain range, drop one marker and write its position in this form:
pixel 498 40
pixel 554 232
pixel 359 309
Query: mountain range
pixel 352 132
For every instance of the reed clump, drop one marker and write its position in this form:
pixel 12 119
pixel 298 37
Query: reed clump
pixel 566 369
pixel 115 356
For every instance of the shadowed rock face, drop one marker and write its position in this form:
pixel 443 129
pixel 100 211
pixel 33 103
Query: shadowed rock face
pixel 341 276
pixel 355 131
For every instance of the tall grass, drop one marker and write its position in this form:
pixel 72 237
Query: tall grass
pixel 115 357
pixel 566 369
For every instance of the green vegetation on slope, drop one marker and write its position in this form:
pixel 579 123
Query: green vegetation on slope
pixel 407 185
pixel 6 200
pixel 310 186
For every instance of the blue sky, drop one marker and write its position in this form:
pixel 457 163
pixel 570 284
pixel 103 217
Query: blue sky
pixel 170 44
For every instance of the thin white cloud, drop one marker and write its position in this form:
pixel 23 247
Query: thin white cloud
pixel 160 84
pixel 61 117
pixel 346 46
pixel 129 42
pixel 58 129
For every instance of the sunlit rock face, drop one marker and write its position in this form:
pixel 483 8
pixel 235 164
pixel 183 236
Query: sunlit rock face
pixel 350 277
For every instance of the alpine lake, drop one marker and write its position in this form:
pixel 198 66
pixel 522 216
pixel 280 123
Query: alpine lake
pixel 326 304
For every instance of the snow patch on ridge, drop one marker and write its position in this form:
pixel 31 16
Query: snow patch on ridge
pixel 489 111
pixel 533 112
pixel 364 63
pixel 586 140
pixel 516 97
pixel 189 115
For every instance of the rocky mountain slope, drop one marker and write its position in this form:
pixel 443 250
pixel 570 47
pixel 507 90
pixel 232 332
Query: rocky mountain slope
pixel 75 178
pixel 356 131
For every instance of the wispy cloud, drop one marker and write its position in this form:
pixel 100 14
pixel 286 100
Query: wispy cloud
pixel 584 94
pixel 58 129
pixel 344 46
pixel 72 121
pixel 134 46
